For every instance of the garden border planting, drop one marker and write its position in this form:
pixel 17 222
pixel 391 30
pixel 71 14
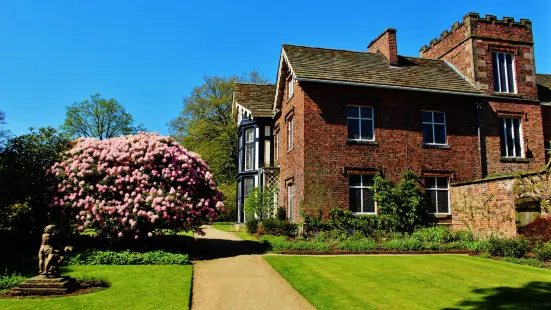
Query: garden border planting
pixel 379 252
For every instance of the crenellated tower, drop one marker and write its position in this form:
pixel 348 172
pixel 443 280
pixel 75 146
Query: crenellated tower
pixel 495 55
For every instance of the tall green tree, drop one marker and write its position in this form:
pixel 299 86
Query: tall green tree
pixel 23 164
pixel 206 126
pixel 3 132
pixel 98 118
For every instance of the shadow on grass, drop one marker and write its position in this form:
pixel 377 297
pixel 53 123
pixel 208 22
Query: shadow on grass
pixel 206 249
pixel 533 296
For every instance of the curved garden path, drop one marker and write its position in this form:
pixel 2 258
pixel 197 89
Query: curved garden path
pixel 229 273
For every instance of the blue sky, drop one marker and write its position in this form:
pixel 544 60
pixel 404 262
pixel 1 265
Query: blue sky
pixel 150 54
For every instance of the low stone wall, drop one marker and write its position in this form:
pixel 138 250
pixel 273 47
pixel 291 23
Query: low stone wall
pixel 484 207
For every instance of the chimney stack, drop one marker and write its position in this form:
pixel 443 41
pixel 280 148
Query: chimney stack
pixel 385 44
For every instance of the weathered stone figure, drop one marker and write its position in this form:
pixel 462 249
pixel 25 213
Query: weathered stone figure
pixel 46 248
pixel 50 254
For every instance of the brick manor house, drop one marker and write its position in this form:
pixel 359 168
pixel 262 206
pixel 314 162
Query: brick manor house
pixel 471 106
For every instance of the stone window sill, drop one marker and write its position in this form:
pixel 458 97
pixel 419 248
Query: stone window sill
pixel 514 160
pixel 499 94
pixel 361 142
pixel 441 215
pixel 436 146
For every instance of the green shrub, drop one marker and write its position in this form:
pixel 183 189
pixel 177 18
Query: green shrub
pixel 331 236
pixel 403 245
pixel 476 246
pixel 280 243
pixel 272 226
pixel 260 203
pixel 543 251
pixel 463 235
pixel 128 258
pixel 524 261
pixel 432 234
pixel 252 225
pixel 402 205
pixel 8 281
pixel 507 247
pixel 485 255
pixel 357 245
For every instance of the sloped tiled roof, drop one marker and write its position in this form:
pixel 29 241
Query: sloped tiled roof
pixel 544 87
pixel 257 98
pixel 372 68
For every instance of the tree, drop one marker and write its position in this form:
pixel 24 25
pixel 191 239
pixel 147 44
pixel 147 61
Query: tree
pixel 3 133
pixel 23 181
pixel 99 118
pixel 402 205
pixel 206 126
pixel 260 203
pixel 134 185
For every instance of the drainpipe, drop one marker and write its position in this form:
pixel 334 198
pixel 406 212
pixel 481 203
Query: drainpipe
pixel 481 148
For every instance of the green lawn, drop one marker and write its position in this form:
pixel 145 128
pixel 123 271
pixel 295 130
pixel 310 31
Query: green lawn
pixel 415 282
pixel 133 287
pixel 231 228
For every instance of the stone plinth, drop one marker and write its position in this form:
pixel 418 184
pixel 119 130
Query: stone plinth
pixel 42 285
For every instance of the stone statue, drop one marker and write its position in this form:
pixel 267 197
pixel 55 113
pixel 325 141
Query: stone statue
pixel 51 254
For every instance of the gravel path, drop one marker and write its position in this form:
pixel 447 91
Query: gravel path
pixel 240 279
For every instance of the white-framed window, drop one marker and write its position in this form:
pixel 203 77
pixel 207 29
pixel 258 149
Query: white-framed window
pixel 434 127
pixel 290 134
pixel 291 89
pixel 276 151
pixel 249 148
pixel 504 72
pixel 511 137
pixel 267 150
pixel 248 186
pixel 437 194
pixel 290 199
pixel 547 151
pixel 360 123
pixel 361 194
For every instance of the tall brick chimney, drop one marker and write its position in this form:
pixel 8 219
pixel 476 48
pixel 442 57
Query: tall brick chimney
pixel 385 44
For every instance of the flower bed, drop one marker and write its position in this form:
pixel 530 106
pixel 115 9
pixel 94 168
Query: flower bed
pixel 381 252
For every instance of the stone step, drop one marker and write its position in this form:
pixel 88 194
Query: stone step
pixel 18 291
pixel 45 284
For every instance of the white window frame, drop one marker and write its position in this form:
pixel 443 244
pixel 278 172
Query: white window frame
pixel 512 134
pixel 290 134
pixel 501 90
pixel 291 89
pixel 245 144
pixel 436 189
pixel 433 123
pixel 362 186
pixel 290 199
pixel 547 149
pixel 360 118
pixel 276 155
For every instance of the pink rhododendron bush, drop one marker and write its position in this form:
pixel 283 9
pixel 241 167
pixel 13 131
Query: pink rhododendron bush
pixel 135 185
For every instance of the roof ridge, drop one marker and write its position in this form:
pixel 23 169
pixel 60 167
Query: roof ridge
pixel 359 52
pixel 259 84
pixel 543 74
pixel 328 49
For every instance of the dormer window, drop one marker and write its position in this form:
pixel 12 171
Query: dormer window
pixel 504 73
pixel 290 89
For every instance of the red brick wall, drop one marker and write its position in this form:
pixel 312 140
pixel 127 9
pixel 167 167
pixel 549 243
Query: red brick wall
pixel 532 135
pixel 291 163
pixel 397 130
pixel 485 208
pixel 386 45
